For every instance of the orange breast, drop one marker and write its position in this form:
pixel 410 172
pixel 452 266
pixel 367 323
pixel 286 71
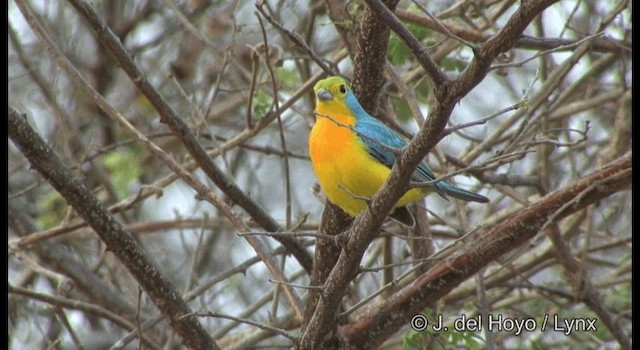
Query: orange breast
pixel 347 173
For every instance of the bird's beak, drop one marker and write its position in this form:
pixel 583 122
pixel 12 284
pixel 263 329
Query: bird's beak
pixel 324 95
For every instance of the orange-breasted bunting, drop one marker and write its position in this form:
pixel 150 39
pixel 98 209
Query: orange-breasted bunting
pixel 351 167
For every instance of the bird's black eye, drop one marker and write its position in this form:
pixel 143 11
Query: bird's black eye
pixel 343 89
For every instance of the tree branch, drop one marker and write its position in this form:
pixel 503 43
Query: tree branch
pixel 447 95
pixel 603 44
pixel 480 249
pixel 170 117
pixel 118 240
pixel 386 16
pixel 370 57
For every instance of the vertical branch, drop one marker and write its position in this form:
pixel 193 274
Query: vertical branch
pixel 343 21
pixel 386 16
pixel 255 62
pixel 276 104
pixel 370 57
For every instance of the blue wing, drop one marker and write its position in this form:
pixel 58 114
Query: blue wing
pixel 379 134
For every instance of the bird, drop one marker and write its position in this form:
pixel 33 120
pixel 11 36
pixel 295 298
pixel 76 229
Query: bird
pixel 352 154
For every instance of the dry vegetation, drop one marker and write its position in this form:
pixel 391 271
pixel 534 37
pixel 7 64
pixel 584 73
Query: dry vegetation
pixel 161 195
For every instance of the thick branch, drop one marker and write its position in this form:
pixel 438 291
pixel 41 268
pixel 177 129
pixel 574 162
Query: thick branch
pixel 482 248
pixel 386 16
pixel 447 94
pixel 370 57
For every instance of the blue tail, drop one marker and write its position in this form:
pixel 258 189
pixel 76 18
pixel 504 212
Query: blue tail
pixel 459 193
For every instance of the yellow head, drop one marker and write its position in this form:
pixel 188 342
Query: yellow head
pixel 330 89
pixel 335 98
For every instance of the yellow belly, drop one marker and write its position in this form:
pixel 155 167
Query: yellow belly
pixel 347 174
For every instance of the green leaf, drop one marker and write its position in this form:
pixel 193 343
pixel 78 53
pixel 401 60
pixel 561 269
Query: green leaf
pixel 289 77
pixel 401 109
pixel 397 51
pixel 261 104
pixel 412 340
pixel 52 210
pixel 453 65
pixel 124 169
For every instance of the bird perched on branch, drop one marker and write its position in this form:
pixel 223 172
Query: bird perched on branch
pixel 352 154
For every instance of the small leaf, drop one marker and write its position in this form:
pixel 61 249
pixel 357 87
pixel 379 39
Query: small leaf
pixel 412 340
pixel 53 208
pixel 453 65
pixel 401 109
pixel 124 169
pixel 289 77
pixel 397 51
pixel 261 104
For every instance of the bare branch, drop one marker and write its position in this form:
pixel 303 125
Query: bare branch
pixel 487 246
pixel 169 116
pixel 250 322
pixel 161 291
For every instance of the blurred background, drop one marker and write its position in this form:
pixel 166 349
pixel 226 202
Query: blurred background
pixel 557 108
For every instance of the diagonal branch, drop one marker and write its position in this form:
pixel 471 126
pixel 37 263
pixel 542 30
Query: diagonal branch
pixel 600 44
pixel 501 42
pixel 118 240
pixel 295 38
pixel 480 249
pixel 202 190
pixel 170 117
pixel 386 16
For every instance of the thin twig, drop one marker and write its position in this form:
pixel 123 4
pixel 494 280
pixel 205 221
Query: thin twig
pixel 482 165
pixel 388 18
pixel 169 116
pixel 266 327
pixel 283 143
pixel 202 190
pixel 291 234
pixel 296 39
pixel 296 285
pixel 566 47
pixel 72 304
pixel 404 263
pixel 520 104
pixel 255 59
pixel 441 26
